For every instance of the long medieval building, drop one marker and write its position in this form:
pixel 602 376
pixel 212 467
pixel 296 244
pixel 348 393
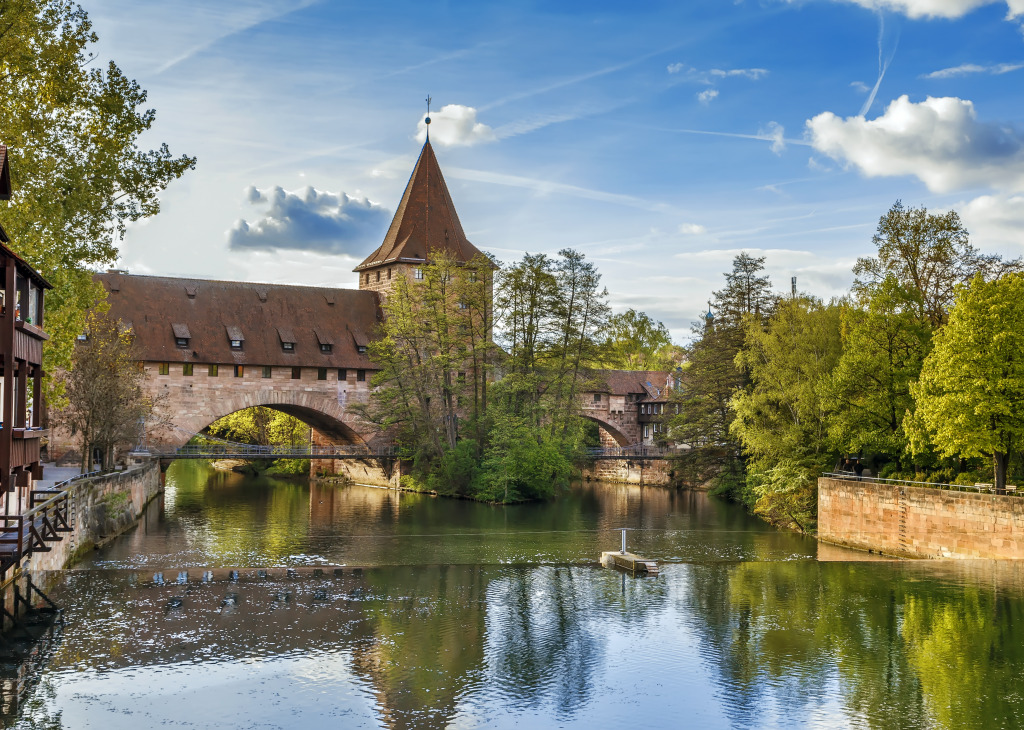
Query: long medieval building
pixel 210 348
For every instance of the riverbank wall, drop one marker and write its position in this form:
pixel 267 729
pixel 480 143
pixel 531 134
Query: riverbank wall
pixel 651 472
pixel 103 508
pixel 920 522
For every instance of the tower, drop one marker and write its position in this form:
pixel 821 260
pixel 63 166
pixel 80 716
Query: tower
pixel 425 223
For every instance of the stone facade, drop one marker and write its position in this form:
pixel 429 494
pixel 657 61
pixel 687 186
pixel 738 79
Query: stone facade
pixel 651 472
pixel 383 278
pixel 920 522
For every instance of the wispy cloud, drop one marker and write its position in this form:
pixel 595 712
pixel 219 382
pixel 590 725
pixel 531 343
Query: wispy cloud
pixel 883 65
pixel 237 24
pixel 707 95
pixel 709 76
pixel 966 69
pixel 573 80
pixel 692 229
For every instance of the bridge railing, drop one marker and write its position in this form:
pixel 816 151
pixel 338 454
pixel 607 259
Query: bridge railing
pixel 632 452
pixel 251 451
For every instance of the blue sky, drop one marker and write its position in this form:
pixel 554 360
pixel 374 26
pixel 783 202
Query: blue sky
pixel 658 138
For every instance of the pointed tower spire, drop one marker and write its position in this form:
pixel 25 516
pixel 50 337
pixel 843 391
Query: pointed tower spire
pixel 425 223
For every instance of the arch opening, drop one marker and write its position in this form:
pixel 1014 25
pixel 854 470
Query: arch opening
pixel 610 435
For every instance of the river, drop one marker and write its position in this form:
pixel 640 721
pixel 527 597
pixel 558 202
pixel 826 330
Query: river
pixel 450 613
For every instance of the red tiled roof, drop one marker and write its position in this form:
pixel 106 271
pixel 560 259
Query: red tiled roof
pixel 211 312
pixel 648 383
pixel 425 221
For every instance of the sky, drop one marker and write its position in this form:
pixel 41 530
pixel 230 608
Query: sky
pixel 659 138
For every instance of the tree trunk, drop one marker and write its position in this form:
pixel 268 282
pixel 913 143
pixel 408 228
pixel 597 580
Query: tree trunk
pixel 1000 460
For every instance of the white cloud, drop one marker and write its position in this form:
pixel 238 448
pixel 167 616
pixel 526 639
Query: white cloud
pixel 692 229
pixel 711 75
pixel 995 222
pixel 707 95
pixel 777 134
pixel 939 140
pixel 311 220
pixel 455 125
pixel 939 8
pixel 965 69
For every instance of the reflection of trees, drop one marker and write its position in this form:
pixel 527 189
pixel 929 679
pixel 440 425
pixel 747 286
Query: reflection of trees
pixel 540 635
pixel 906 652
pixel 428 626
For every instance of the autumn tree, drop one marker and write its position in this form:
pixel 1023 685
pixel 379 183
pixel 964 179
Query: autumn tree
pixel 106 403
pixel 72 128
pixel 972 383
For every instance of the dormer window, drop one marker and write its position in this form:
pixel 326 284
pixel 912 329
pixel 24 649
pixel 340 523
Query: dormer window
pixel 361 349
pixel 360 341
pixel 287 339
pixel 235 337
pixel 181 335
pixel 324 339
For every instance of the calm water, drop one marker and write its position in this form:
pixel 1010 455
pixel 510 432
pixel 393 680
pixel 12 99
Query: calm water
pixel 469 616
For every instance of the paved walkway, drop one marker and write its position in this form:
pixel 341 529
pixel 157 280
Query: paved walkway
pixel 53 474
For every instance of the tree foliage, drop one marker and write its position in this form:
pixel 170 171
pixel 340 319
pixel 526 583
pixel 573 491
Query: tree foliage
pixel 79 176
pixel 106 402
pixel 972 383
pixel 634 341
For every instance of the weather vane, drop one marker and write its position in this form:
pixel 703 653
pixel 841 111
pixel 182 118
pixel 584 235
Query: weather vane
pixel 427 120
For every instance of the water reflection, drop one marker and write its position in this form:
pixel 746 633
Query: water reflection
pixel 529 634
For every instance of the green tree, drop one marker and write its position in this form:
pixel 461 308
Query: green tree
pixel 929 254
pixel 711 377
pixel 634 341
pixel 972 383
pixel 106 403
pixel 79 175
pixel 884 346
pixel 782 419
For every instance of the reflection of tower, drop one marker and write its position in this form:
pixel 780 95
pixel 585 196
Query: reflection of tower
pixel 424 225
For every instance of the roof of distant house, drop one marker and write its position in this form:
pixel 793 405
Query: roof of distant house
pixel 210 314
pixel 425 222
pixel 650 384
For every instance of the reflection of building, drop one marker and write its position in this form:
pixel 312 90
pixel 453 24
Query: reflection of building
pixel 21 347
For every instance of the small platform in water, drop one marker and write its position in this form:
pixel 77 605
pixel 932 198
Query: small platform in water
pixel 629 561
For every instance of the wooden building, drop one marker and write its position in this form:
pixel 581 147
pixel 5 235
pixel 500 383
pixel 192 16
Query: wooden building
pixel 21 352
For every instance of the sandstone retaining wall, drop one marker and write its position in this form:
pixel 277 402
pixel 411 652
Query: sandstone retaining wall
pixel 920 522
pixel 104 507
pixel 654 472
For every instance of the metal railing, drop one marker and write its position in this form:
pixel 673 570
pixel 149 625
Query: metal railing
pixel 1011 490
pixel 249 451
pixel 50 512
pixel 637 451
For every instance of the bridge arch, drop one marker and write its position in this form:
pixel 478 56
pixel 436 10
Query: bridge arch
pixel 620 438
pixel 324 414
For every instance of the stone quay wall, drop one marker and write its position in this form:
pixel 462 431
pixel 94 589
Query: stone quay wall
pixel 652 472
pixel 920 522
pixel 103 508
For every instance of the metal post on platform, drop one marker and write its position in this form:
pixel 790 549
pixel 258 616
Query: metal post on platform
pixel 623 540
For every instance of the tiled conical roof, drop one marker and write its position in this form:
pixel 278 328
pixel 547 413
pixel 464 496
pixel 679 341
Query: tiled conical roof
pixel 425 222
